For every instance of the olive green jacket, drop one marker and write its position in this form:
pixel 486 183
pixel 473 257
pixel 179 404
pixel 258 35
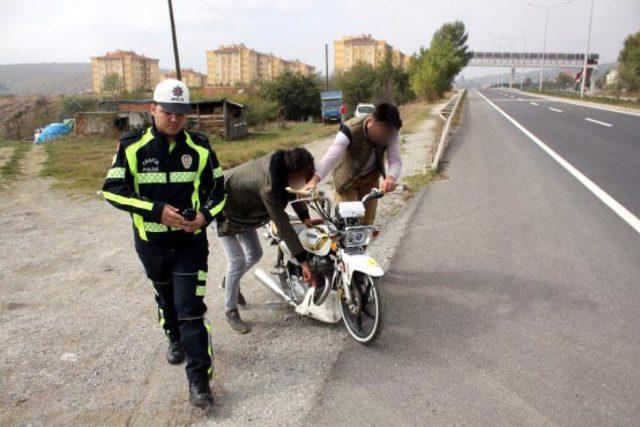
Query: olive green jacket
pixel 251 203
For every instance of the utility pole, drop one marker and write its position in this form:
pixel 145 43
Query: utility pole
pixel 586 55
pixel 175 42
pixel 326 63
pixel 546 27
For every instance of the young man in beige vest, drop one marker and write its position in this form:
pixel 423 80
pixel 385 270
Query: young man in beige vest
pixel 357 157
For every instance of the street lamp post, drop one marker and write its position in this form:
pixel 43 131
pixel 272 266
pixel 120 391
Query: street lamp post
pixel 525 28
pixel 546 26
pixel 586 55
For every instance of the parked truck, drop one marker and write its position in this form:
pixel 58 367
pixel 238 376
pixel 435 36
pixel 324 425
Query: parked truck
pixel 331 102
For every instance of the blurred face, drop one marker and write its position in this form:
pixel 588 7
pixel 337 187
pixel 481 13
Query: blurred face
pixel 381 132
pixel 168 123
pixel 299 178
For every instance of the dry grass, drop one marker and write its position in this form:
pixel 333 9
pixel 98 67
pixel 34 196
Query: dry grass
pixel 11 170
pixel 413 114
pixel 80 164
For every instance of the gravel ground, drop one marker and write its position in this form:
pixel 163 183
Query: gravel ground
pixel 80 343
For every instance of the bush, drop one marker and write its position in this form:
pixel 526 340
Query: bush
pixel 258 109
pixel 298 94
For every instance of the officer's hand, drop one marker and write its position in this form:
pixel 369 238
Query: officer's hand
pixel 195 225
pixel 171 217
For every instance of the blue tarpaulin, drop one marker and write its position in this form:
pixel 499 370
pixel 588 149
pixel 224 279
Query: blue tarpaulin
pixel 54 130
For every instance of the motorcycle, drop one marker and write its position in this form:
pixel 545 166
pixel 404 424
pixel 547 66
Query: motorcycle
pixel 345 276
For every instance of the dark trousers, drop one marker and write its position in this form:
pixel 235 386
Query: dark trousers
pixel 178 273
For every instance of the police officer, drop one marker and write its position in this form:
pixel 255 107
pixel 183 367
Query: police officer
pixel 170 181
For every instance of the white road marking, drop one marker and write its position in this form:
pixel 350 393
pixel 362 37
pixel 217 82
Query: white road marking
pixel 616 207
pixel 532 103
pixel 555 109
pixel 598 122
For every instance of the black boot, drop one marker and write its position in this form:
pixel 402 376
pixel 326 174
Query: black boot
pixel 200 395
pixel 175 353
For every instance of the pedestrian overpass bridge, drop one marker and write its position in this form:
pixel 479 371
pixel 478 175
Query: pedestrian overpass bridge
pixel 532 60
pixel 513 60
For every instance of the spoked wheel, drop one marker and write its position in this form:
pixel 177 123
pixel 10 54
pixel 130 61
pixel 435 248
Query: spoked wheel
pixel 362 315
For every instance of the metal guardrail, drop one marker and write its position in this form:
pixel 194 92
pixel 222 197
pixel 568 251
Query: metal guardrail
pixel 446 114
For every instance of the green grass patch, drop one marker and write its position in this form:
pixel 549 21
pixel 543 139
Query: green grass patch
pixel 417 181
pixel 259 143
pixel 80 164
pixel 11 169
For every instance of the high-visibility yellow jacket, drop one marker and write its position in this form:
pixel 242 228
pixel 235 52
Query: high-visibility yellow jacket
pixel 149 172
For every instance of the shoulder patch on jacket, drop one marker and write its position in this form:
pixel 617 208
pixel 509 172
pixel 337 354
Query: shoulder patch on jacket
pixel 199 138
pixel 130 137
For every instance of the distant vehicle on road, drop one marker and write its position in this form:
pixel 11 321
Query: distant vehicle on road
pixel 331 102
pixel 364 109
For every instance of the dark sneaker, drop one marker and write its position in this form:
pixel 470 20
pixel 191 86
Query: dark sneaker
pixel 241 300
pixel 200 395
pixel 175 354
pixel 236 323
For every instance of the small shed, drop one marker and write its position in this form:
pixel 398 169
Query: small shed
pixel 220 117
pixel 110 123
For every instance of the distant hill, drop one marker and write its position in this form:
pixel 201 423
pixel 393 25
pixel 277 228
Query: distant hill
pixel 44 78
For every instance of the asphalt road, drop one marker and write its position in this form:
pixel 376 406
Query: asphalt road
pixel 513 299
pixel 604 145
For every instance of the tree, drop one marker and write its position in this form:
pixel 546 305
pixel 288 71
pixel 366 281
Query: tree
pixel 392 83
pixel 112 83
pixel 363 83
pixel 298 94
pixel 564 80
pixel 629 63
pixel 357 84
pixel 433 70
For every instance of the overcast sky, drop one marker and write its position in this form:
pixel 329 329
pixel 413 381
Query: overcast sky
pixel 75 30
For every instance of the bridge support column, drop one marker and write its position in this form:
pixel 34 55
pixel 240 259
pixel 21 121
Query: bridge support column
pixel 512 76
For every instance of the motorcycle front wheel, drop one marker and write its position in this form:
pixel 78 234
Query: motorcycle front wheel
pixel 362 316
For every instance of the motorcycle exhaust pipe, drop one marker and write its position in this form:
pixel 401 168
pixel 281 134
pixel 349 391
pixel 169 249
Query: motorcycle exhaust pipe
pixel 268 281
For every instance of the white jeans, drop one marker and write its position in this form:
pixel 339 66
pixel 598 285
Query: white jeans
pixel 243 251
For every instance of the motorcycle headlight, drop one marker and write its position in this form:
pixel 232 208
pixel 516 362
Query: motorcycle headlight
pixel 357 236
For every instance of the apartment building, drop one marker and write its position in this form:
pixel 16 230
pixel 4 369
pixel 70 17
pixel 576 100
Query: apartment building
pixel 134 72
pixel 350 50
pixel 236 64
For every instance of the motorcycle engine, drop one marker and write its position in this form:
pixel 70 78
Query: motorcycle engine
pixel 321 266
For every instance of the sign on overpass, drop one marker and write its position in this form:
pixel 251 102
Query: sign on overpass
pixel 531 60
